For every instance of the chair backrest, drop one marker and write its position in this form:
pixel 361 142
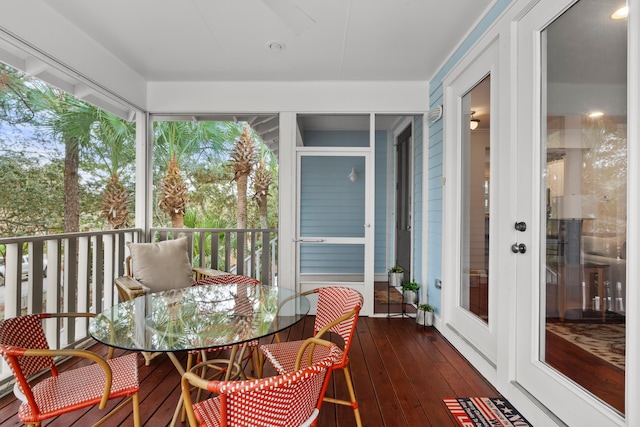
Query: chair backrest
pixel 17 334
pixel 228 279
pixel 284 400
pixel 338 312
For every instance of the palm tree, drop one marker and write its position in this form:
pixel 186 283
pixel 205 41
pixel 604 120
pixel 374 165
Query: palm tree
pixel 243 158
pixel 80 126
pixel 262 180
pixel 173 141
pixel 70 120
pixel 115 148
pixel 115 203
pixel 173 194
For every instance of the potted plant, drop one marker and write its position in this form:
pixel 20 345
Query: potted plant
pixel 410 292
pixel 425 315
pixel 396 275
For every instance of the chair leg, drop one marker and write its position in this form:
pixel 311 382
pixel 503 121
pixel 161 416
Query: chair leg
pixel 352 396
pixel 136 410
pixel 255 363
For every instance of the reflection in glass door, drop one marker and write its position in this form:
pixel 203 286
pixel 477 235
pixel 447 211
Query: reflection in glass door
pixel 475 173
pixel 584 177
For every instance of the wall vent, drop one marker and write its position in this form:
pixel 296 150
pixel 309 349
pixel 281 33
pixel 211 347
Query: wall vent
pixel 434 114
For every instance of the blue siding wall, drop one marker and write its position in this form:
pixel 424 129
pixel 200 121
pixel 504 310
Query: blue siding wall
pixel 435 169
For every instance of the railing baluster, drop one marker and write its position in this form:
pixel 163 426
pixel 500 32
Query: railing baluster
pixel 98 274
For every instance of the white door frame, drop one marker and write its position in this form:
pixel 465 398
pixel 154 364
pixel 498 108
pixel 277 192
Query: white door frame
pixel 401 127
pixel 366 286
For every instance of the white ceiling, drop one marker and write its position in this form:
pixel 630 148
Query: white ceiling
pixel 328 40
pixel 122 46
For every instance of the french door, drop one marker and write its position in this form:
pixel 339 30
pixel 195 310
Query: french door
pixel 470 259
pixel 571 192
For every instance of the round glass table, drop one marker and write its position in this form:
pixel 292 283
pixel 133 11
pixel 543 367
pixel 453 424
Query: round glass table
pixel 198 317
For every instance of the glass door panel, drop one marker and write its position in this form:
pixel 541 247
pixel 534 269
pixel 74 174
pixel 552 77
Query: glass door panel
pixel 475 170
pixel 571 175
pixel 332 198
pixel 584 178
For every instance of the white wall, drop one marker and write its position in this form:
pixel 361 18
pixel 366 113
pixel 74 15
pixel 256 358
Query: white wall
pixel 259 97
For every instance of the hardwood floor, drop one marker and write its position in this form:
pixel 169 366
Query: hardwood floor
pixel 401 373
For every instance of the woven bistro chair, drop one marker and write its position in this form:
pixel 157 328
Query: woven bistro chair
pixel 226 368
pixel 285 400
pixel 227 279
pixel 24 346
pixel 338 311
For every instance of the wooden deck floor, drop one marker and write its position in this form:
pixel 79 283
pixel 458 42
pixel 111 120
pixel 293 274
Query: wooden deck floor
pixel 401 373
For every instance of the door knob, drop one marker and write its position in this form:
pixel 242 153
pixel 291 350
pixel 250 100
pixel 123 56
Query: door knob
pixel 518 247
pixel 521 226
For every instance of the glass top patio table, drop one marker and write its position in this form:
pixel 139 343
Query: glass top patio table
pixel 198 317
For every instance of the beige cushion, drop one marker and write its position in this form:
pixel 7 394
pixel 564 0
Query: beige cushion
pixel 161 266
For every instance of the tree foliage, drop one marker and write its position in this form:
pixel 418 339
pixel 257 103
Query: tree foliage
pixel 64 158
pixel 31 195
pixel 243 160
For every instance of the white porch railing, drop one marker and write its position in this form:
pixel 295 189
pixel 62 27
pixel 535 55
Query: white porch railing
pixel 75 272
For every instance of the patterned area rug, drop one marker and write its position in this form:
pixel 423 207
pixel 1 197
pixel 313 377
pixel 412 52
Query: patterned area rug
pixel 485 412
pixel 395 297
pixel 607 341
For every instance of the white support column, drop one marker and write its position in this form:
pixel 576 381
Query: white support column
pixel 144 172
pixel 287 189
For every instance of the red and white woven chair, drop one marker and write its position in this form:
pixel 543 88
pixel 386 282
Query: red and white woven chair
pixel 338 311
pixel 24 346
pixel 282 401
pixel 226 369
pixel 229 279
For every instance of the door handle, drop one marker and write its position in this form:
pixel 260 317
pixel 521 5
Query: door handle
pixel 518 248
pixel 309 240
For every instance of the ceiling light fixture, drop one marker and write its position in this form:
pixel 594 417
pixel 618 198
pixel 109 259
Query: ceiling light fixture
pixel 473 123
pixel 595 114
pixel 621 13
pixel 275 45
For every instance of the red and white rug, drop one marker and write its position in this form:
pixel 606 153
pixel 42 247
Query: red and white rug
pixel 485 412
